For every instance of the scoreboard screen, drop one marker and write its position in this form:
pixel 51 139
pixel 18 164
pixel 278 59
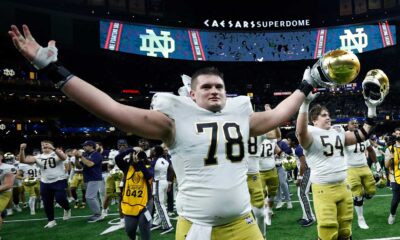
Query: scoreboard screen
pixel 201 45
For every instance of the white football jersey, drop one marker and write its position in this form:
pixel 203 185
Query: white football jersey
pixel 325 155
pixel 75 169
pixel 378 151
pixel 4 169
pixel 209 160
pixel 267 154
pixel 161 169
pixel 29 170
pixel 253 150
pixel 355 154
pixel 111 156
pixel 51 167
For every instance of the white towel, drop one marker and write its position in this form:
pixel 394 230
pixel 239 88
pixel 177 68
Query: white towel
pixel 199 232
pixel 185 89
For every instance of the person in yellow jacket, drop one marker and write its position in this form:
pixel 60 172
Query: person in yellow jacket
pixel 137 201
pixel 392 162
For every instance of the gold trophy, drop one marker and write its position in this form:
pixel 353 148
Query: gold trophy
pixel 337 67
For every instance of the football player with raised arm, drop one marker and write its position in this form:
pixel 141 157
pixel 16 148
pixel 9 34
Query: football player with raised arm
pixel 359 175
pixel 206 133
pixel 323 146
pixel 53 180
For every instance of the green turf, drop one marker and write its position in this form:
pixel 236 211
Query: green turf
pixel 284 226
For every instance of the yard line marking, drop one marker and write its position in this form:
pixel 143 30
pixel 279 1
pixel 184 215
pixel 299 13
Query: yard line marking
pixel 41 219
pixel 115 214
pixel 381 195
pixel 390 238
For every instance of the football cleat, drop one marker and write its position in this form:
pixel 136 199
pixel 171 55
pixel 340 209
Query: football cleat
pixel 279 205
pixel 51 224
pixel 306 222
pixel 67 214
pixel 362 224
pixel 391 219
pixel 166 231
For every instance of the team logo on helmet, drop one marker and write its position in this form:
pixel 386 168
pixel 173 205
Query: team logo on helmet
pixel 116 174
pixel 289 163
pixel 375 86
pixel 30 181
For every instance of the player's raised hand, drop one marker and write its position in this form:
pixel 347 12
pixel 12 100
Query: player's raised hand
pixel 311 97
pixel 22 146
pixel 25 43
pixel 308 78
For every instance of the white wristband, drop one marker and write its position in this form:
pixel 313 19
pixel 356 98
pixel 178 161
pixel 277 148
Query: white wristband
pixel 299 177
pixel 371 111
pixel 304 108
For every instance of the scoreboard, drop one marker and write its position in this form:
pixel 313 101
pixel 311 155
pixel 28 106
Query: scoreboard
pixel 202 45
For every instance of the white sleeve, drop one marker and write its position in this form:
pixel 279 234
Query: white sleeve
pixel 243 105
pixel 164 102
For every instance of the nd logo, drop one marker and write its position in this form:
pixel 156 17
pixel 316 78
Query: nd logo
pixel 152 44
pixel 358 40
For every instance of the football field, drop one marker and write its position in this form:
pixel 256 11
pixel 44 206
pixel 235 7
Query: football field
pixel 22 226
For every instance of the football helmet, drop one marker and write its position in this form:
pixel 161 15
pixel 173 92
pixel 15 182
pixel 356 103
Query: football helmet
pixel 335 68
pixel 381 182
pixel 30 181
pixel 116 174
pixel 9 158
pixel 289 163
pixel 375 86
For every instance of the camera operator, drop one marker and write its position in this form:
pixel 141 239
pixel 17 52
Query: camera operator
pixel 392 160
pixel 137 202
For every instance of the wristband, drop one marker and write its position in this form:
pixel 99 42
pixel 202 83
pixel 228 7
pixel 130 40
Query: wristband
pixel 299 177
pixel 305 87
pixel 370 121
pixel 57 73
pixel 304 108
pixel 358 137
pixel 371 111
pixel 364 132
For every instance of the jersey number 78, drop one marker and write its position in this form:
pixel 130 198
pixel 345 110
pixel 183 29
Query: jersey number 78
pixel 231 141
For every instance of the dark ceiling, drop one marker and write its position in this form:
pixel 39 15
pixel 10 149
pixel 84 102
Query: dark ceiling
pixel 193 13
